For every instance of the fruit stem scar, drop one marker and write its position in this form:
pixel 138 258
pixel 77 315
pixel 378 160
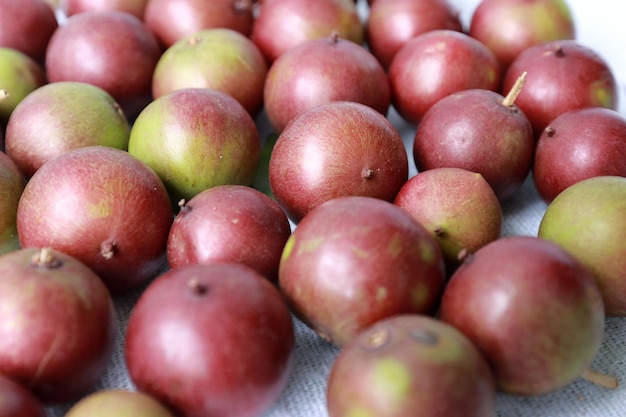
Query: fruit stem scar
pixel 183 206
pixel 197 287
pixel 377 338
pixel 510 98
pixel 4 94
pixel 367 173
pixel 107 249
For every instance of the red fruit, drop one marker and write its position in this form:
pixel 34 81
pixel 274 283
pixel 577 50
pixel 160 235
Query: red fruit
pixel 534 311
pixel 110 49
pixel 336 149
pixel 436 64
pixel 577 145
pixel 102 206
pixel 211 340
pixel 27 26
pixel 134 7
pixel 392 23
pixel 230 223
pixel 355 260
pixel 562 75
pixel 58 324
pixel 320 71
pixel 17 400
pixel 172 20
pixel 283 24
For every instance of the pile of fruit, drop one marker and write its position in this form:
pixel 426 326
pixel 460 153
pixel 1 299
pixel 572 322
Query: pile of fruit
pixel 198 197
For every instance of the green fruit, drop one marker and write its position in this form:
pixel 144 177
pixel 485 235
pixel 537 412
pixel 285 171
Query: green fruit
pixel 19 75
pixel 118 403
pixel 588 219
pixel 11 187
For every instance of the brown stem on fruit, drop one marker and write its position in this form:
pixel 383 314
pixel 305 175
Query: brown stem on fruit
pixel 367 174
pixel 107 249
pixel 598 378
pixel 550 131
pixel 197 287
pixel 438 231
pixel 183 206
pixel 334 37
pixel 515 91
pixel 559 51
pixel 45 258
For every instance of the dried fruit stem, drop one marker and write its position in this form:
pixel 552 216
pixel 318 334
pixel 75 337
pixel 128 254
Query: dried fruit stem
pixel 45 259
pixel 517 88
pixel 598 378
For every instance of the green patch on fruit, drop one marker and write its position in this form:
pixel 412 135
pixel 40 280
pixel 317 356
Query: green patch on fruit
pixel 601 95
pixel 419 295
pixel 391 377
pixel 394 247
pixel 310 245
pixel 288 248
pixel 359 412
pixel 427 252
pixel 99 211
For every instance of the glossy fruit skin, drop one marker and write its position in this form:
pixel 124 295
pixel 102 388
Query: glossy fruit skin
pixel 563 75
pixel 110 49
pixel 500 298
pixel 230 223
pixel 19 76
pixel 236 341
pixel 577 145
pixel 59 325
pixel 27 26
pixel 320 71
pixel 17 400
pixel 134 7
pixel 102 206
pixel 333 150
pixel 172 20
pixel 411 365
pixel 436 64
pixel 218 58
pixel 72 114
pixel 195 139
pixel 392 23
pixel 474 130
pixel 458 207
pixel 283 24
pixel 508 27
pixel 587 219
pixel 119 403
pixel 355 260
pixel 11 187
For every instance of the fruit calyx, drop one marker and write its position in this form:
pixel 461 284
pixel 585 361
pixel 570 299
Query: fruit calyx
pixel 510 98
pixel 197 287
pixel 4 94
pixel 367 173
pixel 183 207
pixel 45 259
pixel 107 249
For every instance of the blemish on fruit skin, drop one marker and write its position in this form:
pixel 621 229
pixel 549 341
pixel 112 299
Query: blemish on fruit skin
pixel 427 252
pixel 291 241
pixel 601 95
pixel 394 247
pixel 392 377
pixel 99 211
pixel 310 245
pixel 419 295
pixel 381 293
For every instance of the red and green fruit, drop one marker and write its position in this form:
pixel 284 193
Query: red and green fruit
pixel 336 149
pixel 533 309
pixel 411 365
pixel 230 223
pixel 102 206
pixel 438 63
pixel 355 260
pixel 577 145
pixel 118 403
pixel 283 24
pixel 195 139
pixel 458 207
pixel 508 27
pixel 588 220
pixel 481 131
pixel 72 115
pixel 217 58
pixel 17 400
pixel 58 324
pixel 563 75
pixel 320 71
pixel 110 49
pixel 11 187
pixel 19 76
pixel 173 20
pixel 234 341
